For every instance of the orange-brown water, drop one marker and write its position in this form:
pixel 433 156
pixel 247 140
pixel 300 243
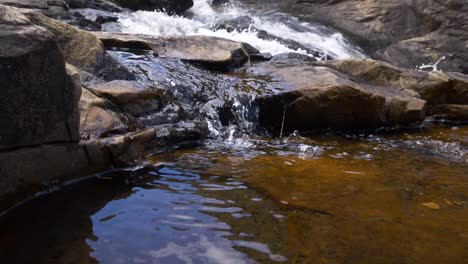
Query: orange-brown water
pixel 394 198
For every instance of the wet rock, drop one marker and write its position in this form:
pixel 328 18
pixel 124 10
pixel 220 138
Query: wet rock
pixel 82 49
pixel 260 57
pixel 170 114
pixel 95 4
pixel 75 19
pixel 405 33
pixel 209 52
pixel 39 99
pixel 169 6
pixel 28 170
pixel 293 59
pixel 294 45
pixel 317 96
pixel 132 97
pixel 234 24
pixel 451 112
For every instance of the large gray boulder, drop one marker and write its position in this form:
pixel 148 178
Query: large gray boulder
pixel 39 99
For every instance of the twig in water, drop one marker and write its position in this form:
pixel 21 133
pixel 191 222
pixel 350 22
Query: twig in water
pixel 282 123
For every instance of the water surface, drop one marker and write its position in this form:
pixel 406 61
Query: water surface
pixel 333 198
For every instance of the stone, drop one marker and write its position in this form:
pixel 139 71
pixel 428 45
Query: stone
pixel 39 98
pixel 434 87
pixel 317 96
pixel 96 121
pixel 450 112
pixel 169 6
pixel 132 97
pixel 95 4
pixel 31 169
pixel 82 49
pixel 209 52
pixel 33 4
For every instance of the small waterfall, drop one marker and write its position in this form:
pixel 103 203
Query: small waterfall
pixel 273 33
pixel 223 102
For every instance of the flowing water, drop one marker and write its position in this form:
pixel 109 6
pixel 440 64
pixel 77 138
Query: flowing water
pixel 393 196
pixel 269 32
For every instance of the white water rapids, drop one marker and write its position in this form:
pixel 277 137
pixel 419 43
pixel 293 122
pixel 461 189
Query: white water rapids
pixel 204 19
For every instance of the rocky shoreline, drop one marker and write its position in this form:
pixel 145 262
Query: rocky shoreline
pixel 69 108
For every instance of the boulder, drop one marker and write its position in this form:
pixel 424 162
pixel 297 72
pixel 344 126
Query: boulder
pixel 131 97
pixel 434 87
pixel 39 99
pixel 407 33
pixel 451 112
pixel 169 6
pixel 96 121
pixel 28 170
pixel 95 4
pixel 33 4
pixel 311 96
pixel 209 52
pixel 82 49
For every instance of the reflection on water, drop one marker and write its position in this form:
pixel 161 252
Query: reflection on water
pixel 322 199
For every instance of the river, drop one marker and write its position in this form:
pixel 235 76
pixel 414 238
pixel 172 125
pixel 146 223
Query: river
pixel 386 196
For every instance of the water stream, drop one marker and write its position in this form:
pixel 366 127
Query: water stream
pixel 269 32
pixel 394 196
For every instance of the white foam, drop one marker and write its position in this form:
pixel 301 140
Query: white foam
pixel 204 17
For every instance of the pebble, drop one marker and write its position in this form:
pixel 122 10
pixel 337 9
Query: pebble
pixel 432 205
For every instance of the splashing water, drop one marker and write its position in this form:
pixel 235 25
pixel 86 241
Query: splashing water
pixel 430 67
pixel 270 33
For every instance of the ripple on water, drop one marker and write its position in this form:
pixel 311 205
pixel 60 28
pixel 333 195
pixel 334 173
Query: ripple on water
pixel 224 205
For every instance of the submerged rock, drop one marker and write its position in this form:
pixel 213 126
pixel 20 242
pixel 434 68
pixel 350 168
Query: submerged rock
pixel 210 52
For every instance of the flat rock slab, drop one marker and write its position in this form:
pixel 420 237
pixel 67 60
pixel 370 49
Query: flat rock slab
pixel 211 52
pixel 133 97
